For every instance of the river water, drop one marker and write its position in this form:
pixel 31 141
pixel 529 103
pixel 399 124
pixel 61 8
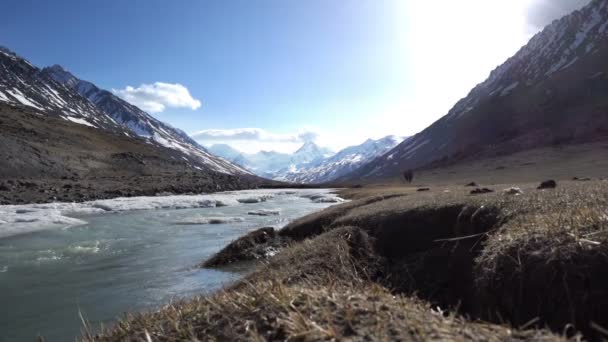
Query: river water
pixel 104 258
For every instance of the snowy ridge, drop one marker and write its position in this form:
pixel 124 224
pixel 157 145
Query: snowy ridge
pixel 141 123
pixel 22 84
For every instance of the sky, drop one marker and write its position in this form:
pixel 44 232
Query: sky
pixel 273 74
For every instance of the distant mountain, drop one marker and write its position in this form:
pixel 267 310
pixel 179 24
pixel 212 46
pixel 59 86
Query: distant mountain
pixel 309 153
pixel 225 151
pixel 342 163
pixel 310 163
pixel 553 91
pixel 139 122
pixel 271 164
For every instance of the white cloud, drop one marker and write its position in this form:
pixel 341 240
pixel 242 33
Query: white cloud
pixel 155 98
pixel 253 134
pixel 252 140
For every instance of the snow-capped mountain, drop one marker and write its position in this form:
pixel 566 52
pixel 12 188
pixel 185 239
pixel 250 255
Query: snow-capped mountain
pixel 22 84
pixel 553 91
pixel 54 91
pixel 342 163
pixel 272 164
pixel 310 163
pixel 310 154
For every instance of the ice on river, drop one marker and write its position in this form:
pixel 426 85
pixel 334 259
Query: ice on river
pixel 19 219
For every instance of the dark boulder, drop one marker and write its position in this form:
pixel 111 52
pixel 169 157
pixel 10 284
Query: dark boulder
pixel 479 191
pixel 549 184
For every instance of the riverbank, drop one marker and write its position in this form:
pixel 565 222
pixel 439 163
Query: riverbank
pixel 25 191
pixel 514 261
pixel 75 189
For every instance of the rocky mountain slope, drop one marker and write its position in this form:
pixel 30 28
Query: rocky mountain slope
pixel 47 158
pixel 55 92
pixel 554 91
pixel 310 164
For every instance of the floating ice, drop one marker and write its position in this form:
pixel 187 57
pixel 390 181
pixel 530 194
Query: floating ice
pixel 255 199
pixel 264 212
pixel 208 220
pixel 19 219
pixel 334 199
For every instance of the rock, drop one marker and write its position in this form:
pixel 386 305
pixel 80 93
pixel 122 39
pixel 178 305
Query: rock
pixel 513 191
pixel 472 184
pixel 423 189
pixel 4 187
pixel 479 191
pixel 549 184
pixel 258 244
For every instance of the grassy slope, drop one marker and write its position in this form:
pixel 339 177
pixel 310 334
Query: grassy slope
pixel 356 270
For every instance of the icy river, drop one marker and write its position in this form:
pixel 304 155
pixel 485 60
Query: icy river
pixel 103 258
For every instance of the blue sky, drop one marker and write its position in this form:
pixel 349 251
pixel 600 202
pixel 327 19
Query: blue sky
pixel 336 71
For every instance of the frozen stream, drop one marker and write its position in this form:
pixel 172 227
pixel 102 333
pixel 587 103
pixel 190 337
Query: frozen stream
pixel 108 257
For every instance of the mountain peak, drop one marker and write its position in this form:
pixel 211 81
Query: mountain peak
pixel 308 146
pixel 56 67
pixel 61 75
pixel 6 50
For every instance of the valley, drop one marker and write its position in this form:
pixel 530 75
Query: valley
pixel 489 223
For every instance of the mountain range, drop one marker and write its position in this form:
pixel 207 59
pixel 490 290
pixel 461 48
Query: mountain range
pixel 56 92
pixel 310 164
pixel 553 91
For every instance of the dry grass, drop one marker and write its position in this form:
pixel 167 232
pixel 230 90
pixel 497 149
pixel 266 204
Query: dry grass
pixel 275 312
pixel 327 297
pixel 531 260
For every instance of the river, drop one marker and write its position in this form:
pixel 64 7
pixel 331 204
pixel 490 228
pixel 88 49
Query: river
pixel 103 258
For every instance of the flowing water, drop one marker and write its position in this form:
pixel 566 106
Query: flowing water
pixel 101 259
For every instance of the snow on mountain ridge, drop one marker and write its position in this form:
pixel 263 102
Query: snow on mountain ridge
pixel 310 163
pixel 141 123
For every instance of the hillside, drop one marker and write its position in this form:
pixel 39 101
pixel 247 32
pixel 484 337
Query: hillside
pixel 65 139
pixel 553 92
pixel 50 159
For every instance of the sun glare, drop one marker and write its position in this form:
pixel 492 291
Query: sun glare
pixel 451 47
